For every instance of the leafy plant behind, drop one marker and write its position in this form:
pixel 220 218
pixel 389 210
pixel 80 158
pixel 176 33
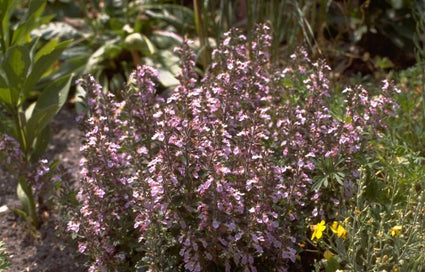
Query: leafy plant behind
pixel 113 38
pixel 25 61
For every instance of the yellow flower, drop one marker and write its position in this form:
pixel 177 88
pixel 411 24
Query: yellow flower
pixel 327 254
pixel 318 230
pixel 395 231
pixel 339 230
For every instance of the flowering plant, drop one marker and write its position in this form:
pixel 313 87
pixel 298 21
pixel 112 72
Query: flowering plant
pixel 225 172
pixel 25 61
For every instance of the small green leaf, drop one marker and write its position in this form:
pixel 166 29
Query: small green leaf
pixel 26 197
pixel 41 143
pixel 340 178
pixel 137 41
pixel 332 265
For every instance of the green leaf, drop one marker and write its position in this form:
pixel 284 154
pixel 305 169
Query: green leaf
pixel 41 143
pixel 44 58
pixel 30 22
pixel 5 95
pixel 7 126
pixel 340 178
pixel 16 64
pixel 48 105
pixel 55 94
pixel 46 49
pixel 107 51
pixel 38 121
pixel 26 197
pixel 332 265
pixel 150 48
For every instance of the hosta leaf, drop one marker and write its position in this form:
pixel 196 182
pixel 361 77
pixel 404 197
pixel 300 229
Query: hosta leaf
pixel 178 16
pixel 104 52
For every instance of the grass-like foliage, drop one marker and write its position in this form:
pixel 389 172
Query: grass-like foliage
pixel 4 263
pixel 228 172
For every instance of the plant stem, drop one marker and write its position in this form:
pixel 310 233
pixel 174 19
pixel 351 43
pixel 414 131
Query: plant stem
pixel 200 29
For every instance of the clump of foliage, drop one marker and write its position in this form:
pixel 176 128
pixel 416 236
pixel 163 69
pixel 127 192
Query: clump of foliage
pixel 112 37
pixel 227 171
pixel 26 106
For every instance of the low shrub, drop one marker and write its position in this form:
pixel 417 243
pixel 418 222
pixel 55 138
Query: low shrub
pixel 227 172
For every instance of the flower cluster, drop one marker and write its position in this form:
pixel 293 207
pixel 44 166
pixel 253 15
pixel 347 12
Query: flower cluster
pixel 35 173
pixel 219 173
pixel 115 155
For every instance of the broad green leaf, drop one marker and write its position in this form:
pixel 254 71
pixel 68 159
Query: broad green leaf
pixel 30 22
pixel 61 30
pixel 167 79
pixel 7 126
pixel 5 95
pixel 23 196
pixel 80 99
pixel 55 94
pixel 166 39
pixel 40 144
pixel 29 110
pixel 332 265
pixel 43 60
pixel 35 125
pixel 150 48
pixel 109 50
pixel 179 16
pixel 46 49
pixel 8 7
pixel 48 105
pixel 26 197
pixel 16 65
